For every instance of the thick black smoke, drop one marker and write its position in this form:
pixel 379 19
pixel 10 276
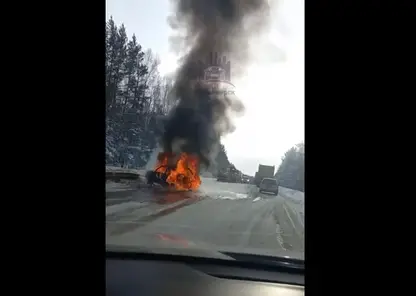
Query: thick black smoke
pixel 208 26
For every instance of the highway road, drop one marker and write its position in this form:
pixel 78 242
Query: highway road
pixel 223 215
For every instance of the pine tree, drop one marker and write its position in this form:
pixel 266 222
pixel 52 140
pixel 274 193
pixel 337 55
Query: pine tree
pixel 292 169
pixel 137 96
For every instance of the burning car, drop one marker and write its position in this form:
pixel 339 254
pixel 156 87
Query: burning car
pixel 176 171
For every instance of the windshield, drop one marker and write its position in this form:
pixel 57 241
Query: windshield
pixel 269 182
pixel 203 102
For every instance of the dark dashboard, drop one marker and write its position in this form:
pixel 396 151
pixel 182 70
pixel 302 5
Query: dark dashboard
pixel 153 274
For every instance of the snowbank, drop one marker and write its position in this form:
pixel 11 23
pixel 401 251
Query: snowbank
pixel 221 190
pixel 293 195
pixel 113 169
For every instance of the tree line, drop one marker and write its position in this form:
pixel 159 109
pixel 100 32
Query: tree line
pixel 137 98
pixel 291 172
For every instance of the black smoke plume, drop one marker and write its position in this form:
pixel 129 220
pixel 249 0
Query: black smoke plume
pixel 206 27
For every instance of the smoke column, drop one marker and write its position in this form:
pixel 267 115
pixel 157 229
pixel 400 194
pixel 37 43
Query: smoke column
pixel 207 26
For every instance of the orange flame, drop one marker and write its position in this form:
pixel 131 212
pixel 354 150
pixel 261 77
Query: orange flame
pixel 183 173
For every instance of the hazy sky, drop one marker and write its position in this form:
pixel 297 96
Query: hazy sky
pixel 272 88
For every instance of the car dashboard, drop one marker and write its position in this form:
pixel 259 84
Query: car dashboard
pixel 151 274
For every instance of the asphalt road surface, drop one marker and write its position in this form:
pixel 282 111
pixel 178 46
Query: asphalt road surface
pixel 221 214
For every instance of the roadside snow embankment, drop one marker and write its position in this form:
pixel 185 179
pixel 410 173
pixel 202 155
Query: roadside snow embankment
pixel 114 169
pixel 118 173
pixel 223 190
pixel 295 206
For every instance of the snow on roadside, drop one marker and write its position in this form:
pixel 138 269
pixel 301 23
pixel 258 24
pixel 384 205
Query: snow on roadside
pixel 124 170
pixel 221 190
pixel 228 195
pixel 119 169
pixel 294 196
pixel 295 201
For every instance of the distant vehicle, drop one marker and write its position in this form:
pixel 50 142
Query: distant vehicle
pixel 222 177
pixel 230 175
pixel 269 185
pixel 264 171
pixel 245 180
